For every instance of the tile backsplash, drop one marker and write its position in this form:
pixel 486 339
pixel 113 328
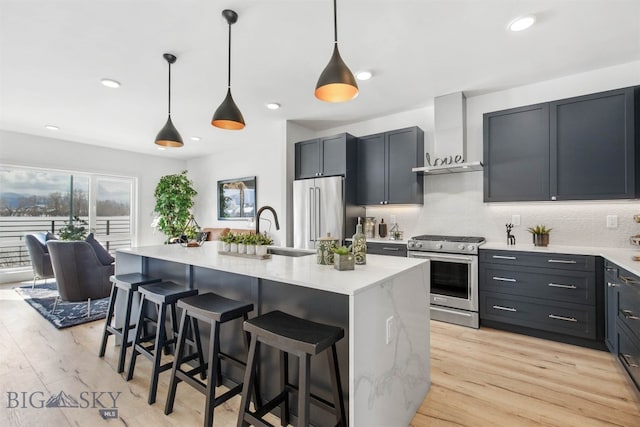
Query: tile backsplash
pixel 453 205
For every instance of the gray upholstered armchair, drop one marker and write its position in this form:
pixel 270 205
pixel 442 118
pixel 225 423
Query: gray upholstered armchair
pixel 39 255
pixel 78 271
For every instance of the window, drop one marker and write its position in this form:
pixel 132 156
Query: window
pixel 33 200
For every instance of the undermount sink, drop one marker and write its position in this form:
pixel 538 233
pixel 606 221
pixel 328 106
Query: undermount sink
pixel 289 251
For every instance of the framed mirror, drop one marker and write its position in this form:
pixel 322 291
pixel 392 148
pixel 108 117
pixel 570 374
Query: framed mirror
pixel 237 198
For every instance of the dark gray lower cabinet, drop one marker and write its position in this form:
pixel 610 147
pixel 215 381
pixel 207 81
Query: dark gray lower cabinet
pixel 393 249
pixel 554 296
pixel 628 324
pixel 611 303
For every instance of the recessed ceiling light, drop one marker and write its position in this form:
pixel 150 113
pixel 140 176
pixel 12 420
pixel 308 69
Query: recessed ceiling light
pixel 363 75
pixel 195 138
pixel 110 83
pixel 273 106
pixel 51 127
pixel 522 23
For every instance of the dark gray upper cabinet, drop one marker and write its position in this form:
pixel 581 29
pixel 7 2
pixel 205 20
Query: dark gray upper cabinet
pixel 384 166
pixel 579 148
pixel 516 154
pixel 325 156
pixel 592 146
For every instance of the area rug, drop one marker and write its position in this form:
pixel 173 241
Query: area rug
pixel 67 314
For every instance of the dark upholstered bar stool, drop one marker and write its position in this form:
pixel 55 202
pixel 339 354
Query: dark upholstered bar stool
pixel 215 310
pixel 163 296
pixel 302 338
pixel 127 283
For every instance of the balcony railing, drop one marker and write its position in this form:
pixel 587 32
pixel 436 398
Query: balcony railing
pixel 113 232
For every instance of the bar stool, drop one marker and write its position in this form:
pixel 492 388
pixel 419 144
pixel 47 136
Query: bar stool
pixel 215 310
pixel 302 338
pixel 127 283
pixel 163 296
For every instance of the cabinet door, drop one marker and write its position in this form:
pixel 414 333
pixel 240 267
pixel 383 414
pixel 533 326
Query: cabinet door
pixel 371 170
pixel 307 159
pixel 611 307
pixel 404 150
pixel 333 155
pixel 516 154
pixel 592 146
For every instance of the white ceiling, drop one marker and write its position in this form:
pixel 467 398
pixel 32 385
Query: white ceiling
pixel 54 53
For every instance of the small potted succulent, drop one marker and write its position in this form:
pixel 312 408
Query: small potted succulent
pixel 343 259
pixel 262 241
pixel 250 243
pixel 540 235
pixel 241 239
pixel 226 241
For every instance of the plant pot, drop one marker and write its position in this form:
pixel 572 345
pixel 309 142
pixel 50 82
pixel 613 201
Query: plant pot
pixel 344 262
pixel 233 247
pixel 540 239
pixel 251 249
pixel 261 250
pixel 242 248
pixel 226 247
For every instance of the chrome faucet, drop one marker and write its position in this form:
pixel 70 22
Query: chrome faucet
pixel 275 216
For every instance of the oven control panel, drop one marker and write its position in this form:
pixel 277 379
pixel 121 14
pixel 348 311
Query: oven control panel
pixel 442 246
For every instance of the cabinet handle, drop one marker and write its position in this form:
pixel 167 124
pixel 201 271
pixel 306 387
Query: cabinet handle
pixel 566 319
pixel 562 261
pixel 382 202
pixel 629 280
pixel 503 257
pixel 499 307
pixel 504 279
pixel 558 285
pixel 628 314
pixel 611 285
pixel 612 269
pixel 390 249
pixel 553 197
pixel 629 360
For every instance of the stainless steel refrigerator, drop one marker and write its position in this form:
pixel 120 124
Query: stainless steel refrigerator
pixel 318 209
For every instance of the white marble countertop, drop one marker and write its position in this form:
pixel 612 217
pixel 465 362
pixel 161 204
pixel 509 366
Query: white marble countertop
pixel 301 271
pixel 623 257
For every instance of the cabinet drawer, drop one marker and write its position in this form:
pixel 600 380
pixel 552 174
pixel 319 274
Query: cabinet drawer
pixel 557 285
pixel 629 306
pixel 392 249
pixel 565 318
pixel 629 354
pixel 530 259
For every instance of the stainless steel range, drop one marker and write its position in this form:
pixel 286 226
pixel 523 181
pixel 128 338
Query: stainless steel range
pixel 454 276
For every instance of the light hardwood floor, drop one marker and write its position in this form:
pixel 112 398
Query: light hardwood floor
pixel 479 378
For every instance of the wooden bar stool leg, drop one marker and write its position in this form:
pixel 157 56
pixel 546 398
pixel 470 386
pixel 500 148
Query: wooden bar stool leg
pixel 106 333
pixel 304 390
pixel 256 382
pixel 136 338
pixel 157 351
pixel 336 387
pixel 284 381
pixel 173 383
pixel 249 376
pixel 125 332
pixel 196 337
pixel 214 363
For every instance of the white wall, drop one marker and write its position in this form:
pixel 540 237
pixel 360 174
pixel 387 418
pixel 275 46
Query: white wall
pixel 453 203
pixel 265 158
pixel 35 151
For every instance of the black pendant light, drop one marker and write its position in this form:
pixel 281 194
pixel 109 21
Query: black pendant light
pixel 168 135
pixel 336 83
pixel 228 115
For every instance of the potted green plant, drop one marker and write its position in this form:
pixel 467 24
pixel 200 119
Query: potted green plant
pixel 226 241
pixel 343 259
pixel 174 198
pixel 242 243
pixel 540 235
pixel 250 242
pixel 74 229
pixel 262 241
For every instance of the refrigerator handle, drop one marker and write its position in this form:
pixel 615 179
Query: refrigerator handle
pixel 311 215
pixel 319 212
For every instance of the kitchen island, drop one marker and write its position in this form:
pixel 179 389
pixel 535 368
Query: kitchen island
pixel 383 307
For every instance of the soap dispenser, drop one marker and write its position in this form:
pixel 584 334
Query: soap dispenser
pixel 359 245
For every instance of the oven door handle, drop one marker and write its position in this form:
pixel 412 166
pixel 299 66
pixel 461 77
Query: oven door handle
pixel 439 257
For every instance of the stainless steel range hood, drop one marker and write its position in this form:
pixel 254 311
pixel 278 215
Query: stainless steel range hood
pixel 450 138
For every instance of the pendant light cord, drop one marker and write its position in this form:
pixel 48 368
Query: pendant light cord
pixel 169 107
pixel 335 23
pixel 229 62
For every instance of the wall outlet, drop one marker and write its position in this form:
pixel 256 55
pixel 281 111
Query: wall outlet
pixel 389 329
pixel 612 221
pixel 515 220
